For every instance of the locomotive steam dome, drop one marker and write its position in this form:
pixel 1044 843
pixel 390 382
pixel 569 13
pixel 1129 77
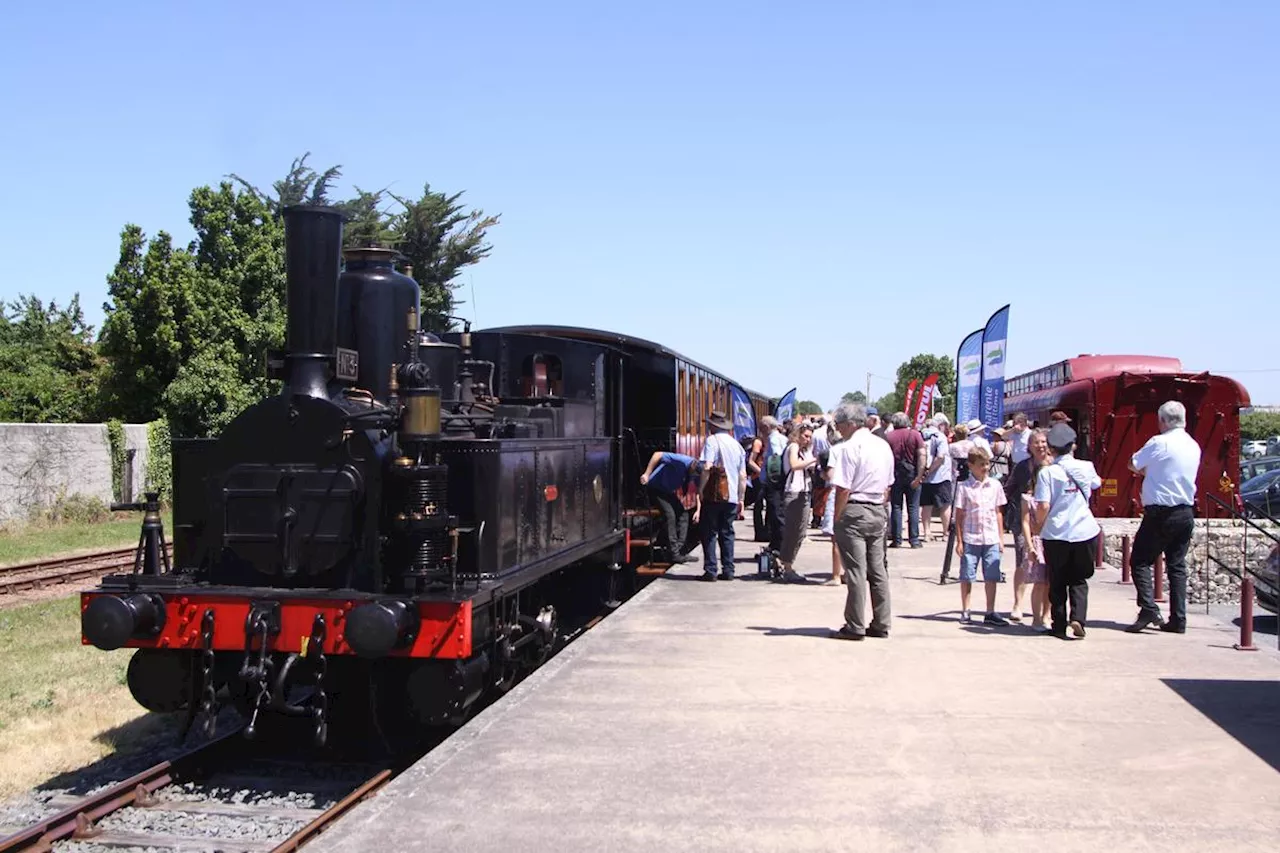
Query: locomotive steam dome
pixel 374 301
pixel 442 358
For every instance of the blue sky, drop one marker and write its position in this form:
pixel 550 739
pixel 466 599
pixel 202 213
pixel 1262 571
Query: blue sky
pixel 795 194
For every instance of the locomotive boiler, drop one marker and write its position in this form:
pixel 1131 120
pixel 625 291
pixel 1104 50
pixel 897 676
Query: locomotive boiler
pixel 412 522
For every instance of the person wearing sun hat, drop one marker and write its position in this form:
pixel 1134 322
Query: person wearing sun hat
pixel 723 452
pixel 976 430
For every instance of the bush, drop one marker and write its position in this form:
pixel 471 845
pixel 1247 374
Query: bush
pixel 72 509
pixel 115 441
pixel 160 460
pixel 1259 425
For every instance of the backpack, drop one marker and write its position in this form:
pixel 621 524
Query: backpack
pixel 774 477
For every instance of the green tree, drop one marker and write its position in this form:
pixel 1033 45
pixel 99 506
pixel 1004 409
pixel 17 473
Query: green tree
pixel 150 326
pixel 919 367
pixel 808 407
pixel 367 223
pixel 1259 425
pixel 187 330
pixel 239 259
pixel 47 362
pixel 201 317
pixel 854 397
pixel 438 237
pixel 301 185
pixel 888 404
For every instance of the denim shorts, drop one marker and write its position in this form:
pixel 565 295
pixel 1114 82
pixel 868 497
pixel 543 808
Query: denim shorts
pixel 989 555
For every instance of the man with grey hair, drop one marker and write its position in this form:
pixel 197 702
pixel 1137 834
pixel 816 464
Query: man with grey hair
pixel 908 473
pixel 1168 464
pixel 860 468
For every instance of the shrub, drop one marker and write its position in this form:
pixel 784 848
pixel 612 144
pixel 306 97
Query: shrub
pixel 160 460
pixel 73 509
pixel 115 441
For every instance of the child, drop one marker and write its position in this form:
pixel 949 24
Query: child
pixel 980 533
pixel 1037 573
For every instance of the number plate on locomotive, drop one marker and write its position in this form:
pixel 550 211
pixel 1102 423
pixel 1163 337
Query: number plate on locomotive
pixel 348 365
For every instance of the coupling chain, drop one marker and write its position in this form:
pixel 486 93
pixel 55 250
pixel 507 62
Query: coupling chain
pixel 208 707
pixel 259 673
pixel 319 699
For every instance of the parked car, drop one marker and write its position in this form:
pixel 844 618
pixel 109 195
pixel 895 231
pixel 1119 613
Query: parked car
pixel 1262 494
pixel 1254 467
pixel 1253 449
pixel 1273 445
pixel 1266 586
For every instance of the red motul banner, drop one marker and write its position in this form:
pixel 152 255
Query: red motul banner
pixel 926 398
pixel 906 404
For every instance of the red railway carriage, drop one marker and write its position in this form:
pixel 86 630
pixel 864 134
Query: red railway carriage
pixel 1112 401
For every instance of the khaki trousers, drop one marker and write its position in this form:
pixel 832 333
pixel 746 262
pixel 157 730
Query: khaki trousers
pixel 859 535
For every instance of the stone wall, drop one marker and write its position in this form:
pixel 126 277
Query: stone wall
pixel 41 463
pixel 1226 540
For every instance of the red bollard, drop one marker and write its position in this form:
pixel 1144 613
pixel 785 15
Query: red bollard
pixel 1159 573
pixel 1246 617
pixel 1126 570
pixel 1101 551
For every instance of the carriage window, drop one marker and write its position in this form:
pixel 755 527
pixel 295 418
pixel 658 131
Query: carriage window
pixel 682 401
pixel 541 375
pixel 696 427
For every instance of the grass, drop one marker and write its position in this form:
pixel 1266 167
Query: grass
pixel 62 705
pixel 37 541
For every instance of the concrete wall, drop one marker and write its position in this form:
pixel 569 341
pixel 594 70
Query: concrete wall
pixel 1207 582
pixel 40 462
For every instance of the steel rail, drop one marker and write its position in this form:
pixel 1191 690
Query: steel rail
pixel 74 559
pixel 58 570
pixel 77 820
pixel 337 810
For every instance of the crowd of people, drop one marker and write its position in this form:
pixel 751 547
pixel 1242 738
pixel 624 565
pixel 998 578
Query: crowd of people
pixel 853 478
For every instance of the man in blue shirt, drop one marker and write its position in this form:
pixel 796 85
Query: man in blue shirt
pixel 667 475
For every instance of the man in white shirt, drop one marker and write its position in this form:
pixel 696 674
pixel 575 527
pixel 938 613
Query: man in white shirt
pixel 1018 434
pixel 722 452
pixel 1168 464
pixel 861 470
pixel 937 492
pixel 1068 530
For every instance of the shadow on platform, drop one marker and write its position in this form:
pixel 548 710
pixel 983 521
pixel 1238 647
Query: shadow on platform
pixel 791 632
pixel 1249 711
pixel 1265 623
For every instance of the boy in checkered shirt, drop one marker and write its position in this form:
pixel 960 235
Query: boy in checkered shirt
pixel 980 533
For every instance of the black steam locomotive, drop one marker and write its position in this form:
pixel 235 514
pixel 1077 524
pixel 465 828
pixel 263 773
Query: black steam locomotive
pixel 415 520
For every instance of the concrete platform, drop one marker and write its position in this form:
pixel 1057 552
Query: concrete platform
pixel 708 717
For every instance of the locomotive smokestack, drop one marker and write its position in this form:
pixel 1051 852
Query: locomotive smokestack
pixel 312 256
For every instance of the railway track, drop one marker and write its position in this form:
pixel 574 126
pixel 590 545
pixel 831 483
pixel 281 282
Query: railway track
pixel 211 798
pixel 59 570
